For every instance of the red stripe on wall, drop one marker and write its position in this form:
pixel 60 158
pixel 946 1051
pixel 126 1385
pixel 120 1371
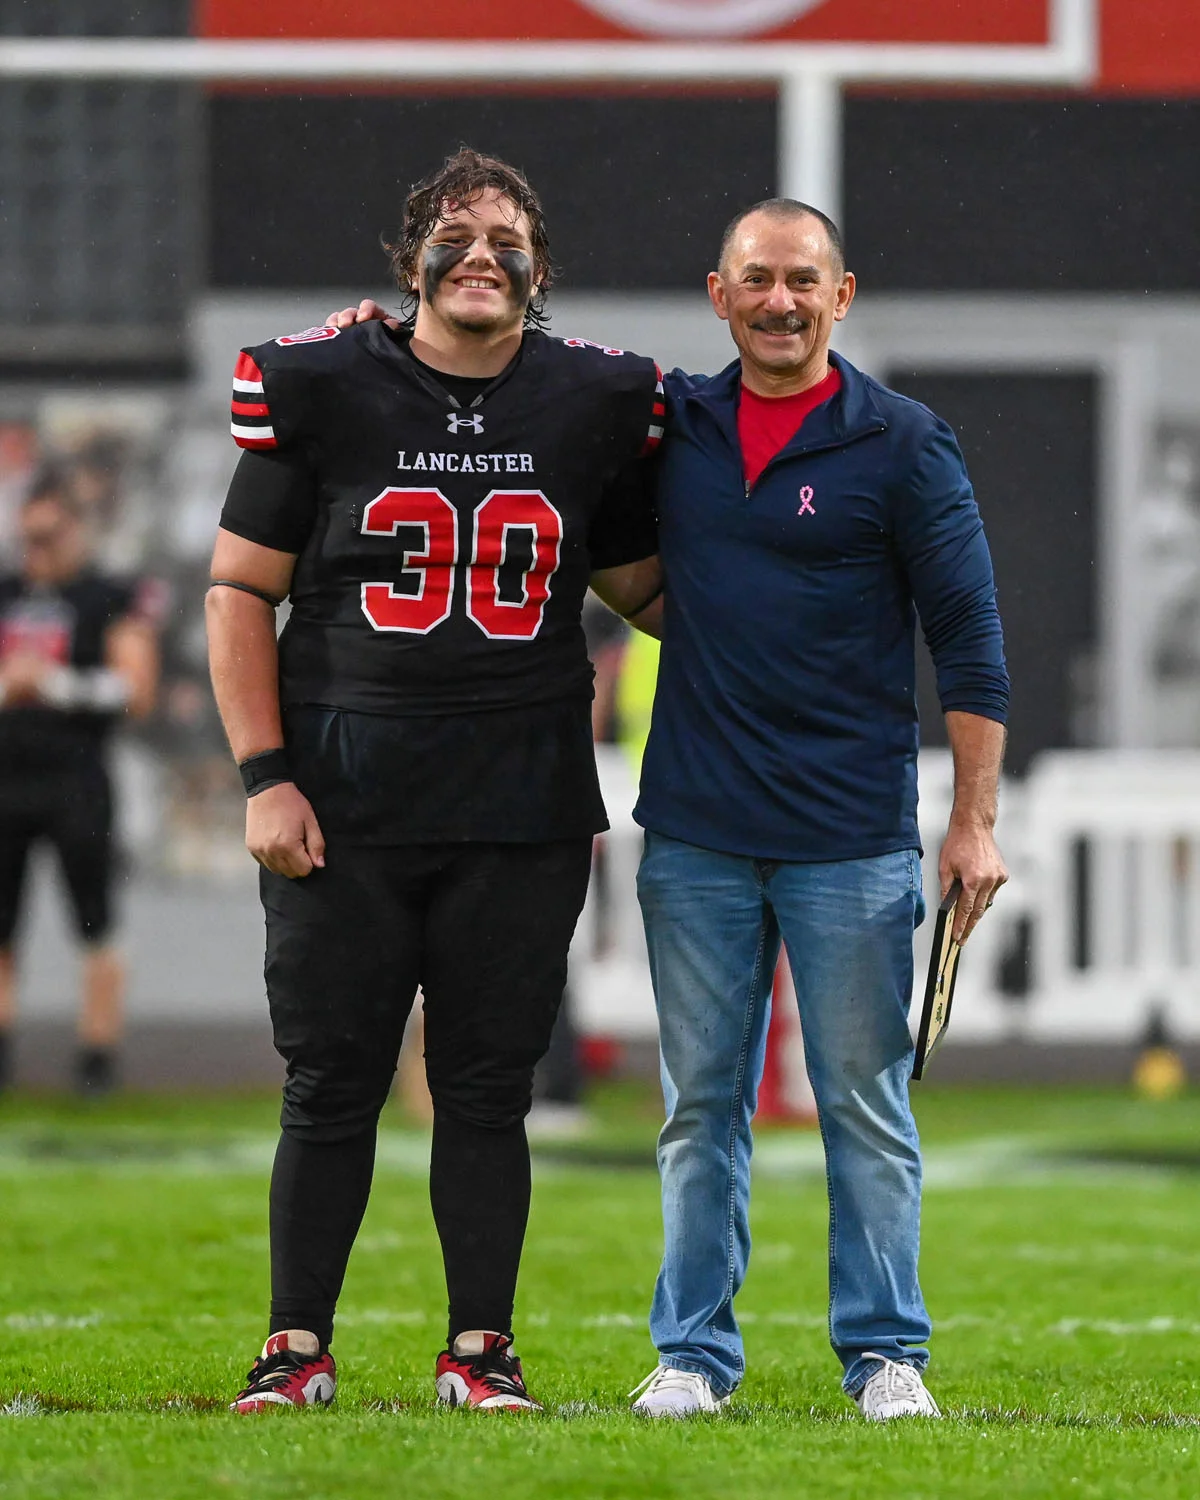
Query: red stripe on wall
pixel 1012 21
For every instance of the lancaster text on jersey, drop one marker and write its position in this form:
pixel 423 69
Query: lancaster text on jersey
pixel 467 463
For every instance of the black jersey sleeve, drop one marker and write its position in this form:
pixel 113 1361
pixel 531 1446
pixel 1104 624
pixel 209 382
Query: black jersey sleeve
pixel 625 527
pixel 272 500
pixel 273 400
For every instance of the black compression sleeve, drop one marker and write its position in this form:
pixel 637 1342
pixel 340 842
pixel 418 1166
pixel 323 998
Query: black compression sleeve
pixel 272 500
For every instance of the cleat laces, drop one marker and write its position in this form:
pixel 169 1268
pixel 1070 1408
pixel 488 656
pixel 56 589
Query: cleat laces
pixel 265 1374
pixel 499 1371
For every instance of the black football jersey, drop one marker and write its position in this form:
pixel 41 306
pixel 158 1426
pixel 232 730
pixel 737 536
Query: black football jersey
pixel 444 548
pixel 433 670
pixel 65 625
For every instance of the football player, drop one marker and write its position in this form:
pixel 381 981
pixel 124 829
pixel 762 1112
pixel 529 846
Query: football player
pixel 77 650
pixel 434 499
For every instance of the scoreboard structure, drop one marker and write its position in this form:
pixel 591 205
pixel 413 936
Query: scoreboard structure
pixel 808 50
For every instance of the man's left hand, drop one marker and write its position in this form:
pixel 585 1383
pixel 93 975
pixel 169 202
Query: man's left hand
pixel 367 311
pixel 970 855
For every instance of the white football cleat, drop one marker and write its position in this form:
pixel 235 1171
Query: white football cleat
pixel 675 1393
pixel 895 1390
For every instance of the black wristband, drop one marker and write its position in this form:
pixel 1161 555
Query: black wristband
pixel 265 769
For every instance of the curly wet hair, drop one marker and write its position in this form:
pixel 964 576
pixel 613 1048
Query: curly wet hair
pixel 461 179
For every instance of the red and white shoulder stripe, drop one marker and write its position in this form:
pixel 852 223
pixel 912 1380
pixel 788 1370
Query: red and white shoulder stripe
pixel 658 415
pixel 251 424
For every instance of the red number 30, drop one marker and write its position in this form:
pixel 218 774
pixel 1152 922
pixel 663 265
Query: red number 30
pixel 432 565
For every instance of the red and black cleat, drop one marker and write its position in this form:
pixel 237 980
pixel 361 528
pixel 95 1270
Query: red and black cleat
pixel 291 1371
pixel 481 1370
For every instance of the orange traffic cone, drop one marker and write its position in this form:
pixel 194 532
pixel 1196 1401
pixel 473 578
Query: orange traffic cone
pixel 785 1095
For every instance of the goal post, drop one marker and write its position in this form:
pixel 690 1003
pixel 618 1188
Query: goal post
pixel 809 76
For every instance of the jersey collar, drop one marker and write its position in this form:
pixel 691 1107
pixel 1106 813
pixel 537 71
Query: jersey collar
pixel 391 347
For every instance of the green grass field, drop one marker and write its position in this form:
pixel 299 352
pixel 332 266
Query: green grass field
pixel 1061 1263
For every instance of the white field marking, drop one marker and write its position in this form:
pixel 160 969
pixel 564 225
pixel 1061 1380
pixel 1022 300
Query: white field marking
pixel 1068 1327
pixel 1004 1160
pixel 26 1153
pixel 387 1239
pixel 23 1406
pixel 773 1254
pixel 543 1245
pixel 1100 1251
pixel 571 1409
pixel 37 1322
pixel 383 1315
pixel 792 1155
pixel 406 1152
pixel 256 1244
pixel 629 1320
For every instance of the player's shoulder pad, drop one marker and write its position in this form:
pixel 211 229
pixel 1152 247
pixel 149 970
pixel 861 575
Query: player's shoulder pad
pixel 605 361
pixel 311 349
pixel 627 377
pixel 271 382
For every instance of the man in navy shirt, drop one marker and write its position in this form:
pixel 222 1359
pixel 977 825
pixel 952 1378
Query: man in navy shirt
pixel 807 515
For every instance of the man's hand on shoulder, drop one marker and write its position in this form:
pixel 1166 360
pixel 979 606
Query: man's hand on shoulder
pixel 367 311
pixel 970 855
pixel 282 831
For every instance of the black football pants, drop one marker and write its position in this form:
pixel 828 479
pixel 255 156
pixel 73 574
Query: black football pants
pixel 484 930
pixel 73 811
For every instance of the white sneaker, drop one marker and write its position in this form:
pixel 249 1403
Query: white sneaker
pixel 895 1390
pixel 675 1393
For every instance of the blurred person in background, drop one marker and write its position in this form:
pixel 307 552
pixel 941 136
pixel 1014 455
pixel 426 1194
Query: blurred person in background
pixel 76 653
pixel 19 460
pixel 417 751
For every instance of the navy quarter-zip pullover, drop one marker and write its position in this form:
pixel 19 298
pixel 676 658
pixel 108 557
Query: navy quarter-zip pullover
pixel 785 720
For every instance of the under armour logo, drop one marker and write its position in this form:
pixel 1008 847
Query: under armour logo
pixel 806 499
pixel 454 421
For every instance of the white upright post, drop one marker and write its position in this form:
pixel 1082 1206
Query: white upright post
pixel 1124 413
pixel 810 140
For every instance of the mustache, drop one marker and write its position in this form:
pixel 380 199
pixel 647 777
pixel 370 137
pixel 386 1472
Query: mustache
pixel 780 325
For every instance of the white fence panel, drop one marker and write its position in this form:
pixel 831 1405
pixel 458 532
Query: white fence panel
pixel 1103 850
pixel 1115 843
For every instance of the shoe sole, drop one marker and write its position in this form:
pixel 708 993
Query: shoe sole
pixel 658 1414
pixel 319 1391
pixel 453 1392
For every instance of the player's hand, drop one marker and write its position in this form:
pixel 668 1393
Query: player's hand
pixel 970 855
pixel 366 312
pixel 282 831
pixel 23 676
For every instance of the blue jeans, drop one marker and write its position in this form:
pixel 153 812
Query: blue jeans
pixel 713 924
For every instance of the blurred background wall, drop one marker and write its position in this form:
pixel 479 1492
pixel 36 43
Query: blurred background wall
pixel 1017 185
